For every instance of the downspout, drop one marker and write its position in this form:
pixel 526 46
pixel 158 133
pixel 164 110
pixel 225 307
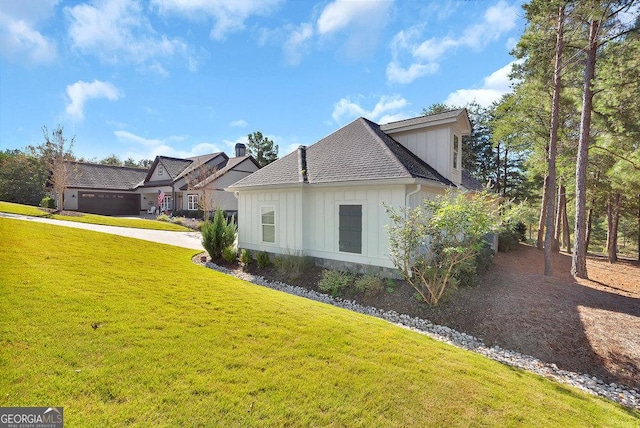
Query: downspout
pixel 410 194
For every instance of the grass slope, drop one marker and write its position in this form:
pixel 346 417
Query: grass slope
pixel 177 344
pixel 10 207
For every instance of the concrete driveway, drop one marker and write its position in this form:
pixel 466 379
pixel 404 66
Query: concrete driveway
pixel 191 240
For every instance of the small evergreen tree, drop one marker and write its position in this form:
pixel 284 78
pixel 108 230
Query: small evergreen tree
pixel 218 235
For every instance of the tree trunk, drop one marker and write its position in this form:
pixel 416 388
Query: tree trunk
pixel 558 224
pixel 543 211
pixel 613 216
pixel 589 226
pixel 579 258
pixel 498 168
pixel 505 170
pixel 566 236
pixel 549 237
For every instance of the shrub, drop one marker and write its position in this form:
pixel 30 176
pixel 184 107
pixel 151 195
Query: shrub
pixel 390 285
pixel 333 281
pixel 370 285
pixel 218 235
pixel 245 257
pixel 428 244
pixel 468 274
pixel 291 266
pixel 263 259
pixel 521 229
pixel 229 254
pixel 163 217
pixel 508 240
pixel 48 202
pixel 178 220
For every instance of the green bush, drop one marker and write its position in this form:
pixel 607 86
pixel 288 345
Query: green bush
pixel 263 259
pixel 163 217
pixel 390 285
pixel 508 240
pixel 370 285
pixel 521 229
pixel 468 274
pixel 218 235
pixel 230 254
pixel 292 267
pixel 334 282
pixel 48 202
pixel 245 257
pixel 178 220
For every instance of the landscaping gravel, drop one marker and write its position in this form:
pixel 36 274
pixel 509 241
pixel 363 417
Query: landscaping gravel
pixel 625 396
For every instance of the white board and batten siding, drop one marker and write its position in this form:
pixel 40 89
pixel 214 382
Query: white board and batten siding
pixel 435 147
pixel 307 223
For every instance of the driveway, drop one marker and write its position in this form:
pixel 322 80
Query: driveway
pixel 191 240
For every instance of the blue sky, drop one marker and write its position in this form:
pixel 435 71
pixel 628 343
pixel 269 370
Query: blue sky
pixel 182 78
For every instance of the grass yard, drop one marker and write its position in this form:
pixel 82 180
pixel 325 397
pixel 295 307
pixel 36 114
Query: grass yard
pixel 10 207
pixel 176 344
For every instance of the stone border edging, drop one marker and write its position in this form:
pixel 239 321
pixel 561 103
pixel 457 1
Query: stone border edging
pixel 591 384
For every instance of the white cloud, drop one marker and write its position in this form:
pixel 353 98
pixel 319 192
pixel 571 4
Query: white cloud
pixel 297 42
pixel 118 31
pixel 238 123
pixel 81 91
pixel 387 106
pixel 360 22
pixel 396 73
pixel 229 15
pixel 19 37
pixel 162 146
pixel 494 87
pixel 423 56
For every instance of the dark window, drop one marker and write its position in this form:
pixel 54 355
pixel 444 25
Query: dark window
pixel 350 236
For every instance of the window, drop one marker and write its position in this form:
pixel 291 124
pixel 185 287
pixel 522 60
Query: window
pixel 166 204
pixel 456 150
pixel 192 202
pixel 268 222
pixel 160 170
pixel 350 229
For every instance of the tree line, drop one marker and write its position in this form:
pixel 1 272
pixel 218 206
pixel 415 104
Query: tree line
pixel 567 139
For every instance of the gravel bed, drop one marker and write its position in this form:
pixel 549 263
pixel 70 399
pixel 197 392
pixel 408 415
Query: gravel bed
pixel 591 384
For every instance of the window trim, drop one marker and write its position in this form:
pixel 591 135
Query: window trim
pixel 456 152
pixel 190 202
pixel 263 210
pixel 160 170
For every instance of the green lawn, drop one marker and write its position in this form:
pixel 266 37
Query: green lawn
pixel 9 207
pixel 177 344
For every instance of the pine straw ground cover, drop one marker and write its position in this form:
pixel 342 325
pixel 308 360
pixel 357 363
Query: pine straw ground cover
pixel 126 332
pixel 9 207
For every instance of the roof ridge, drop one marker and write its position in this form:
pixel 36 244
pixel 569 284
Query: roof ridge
pixel 137 168
pixel 385 146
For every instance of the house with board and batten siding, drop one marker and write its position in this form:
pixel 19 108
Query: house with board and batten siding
pixel 325 200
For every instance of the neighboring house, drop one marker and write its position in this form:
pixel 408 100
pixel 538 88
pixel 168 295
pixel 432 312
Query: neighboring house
pixel 115 190
pixel 325 201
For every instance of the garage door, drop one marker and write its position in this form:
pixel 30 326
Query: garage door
pixel 109 203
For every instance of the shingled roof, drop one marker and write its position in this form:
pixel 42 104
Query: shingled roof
pixel 98 176
pixel 359 151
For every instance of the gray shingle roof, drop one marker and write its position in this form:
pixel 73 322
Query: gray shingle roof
pixel 97 176
pixel 174 166
pixel 445 116
pixel 468 182
pixel 358 151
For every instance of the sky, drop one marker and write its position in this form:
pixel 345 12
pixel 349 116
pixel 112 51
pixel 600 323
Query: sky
pixel 183 78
